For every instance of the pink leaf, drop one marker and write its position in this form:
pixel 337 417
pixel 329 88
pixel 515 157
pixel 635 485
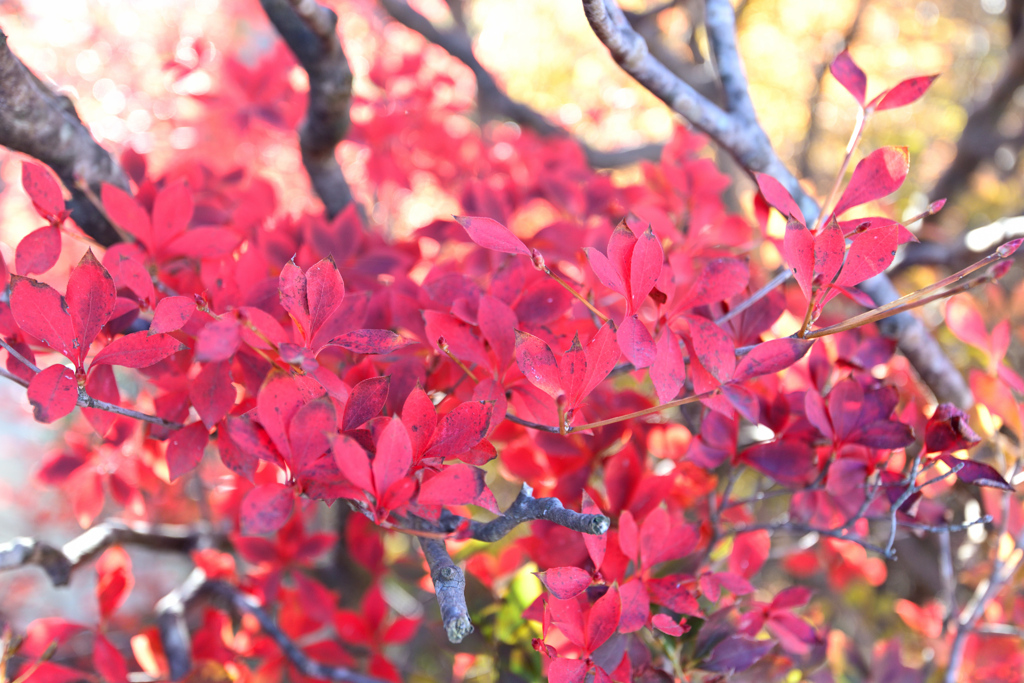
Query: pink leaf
pixel 850 76
pixel 497 325
pixel 353 462
pixel 537 363
pixel 605 271
pixel 325 291
pixel 38 251
pixel 964 320
pixel 602 354
pixel 171 314
pixel 185 449
pixel 420 418
pixel 212 393
pixel 565 583
pixel 311 432
pixel 713 347
pixel 456 484
pixel 749 552
pixel 572 372
pixel 461 429
pixel 645 267
pixel 490 234
pixel 636 343
pixel 720 280
pixel 53 393
pixel 905 92
pixel 568 671
pixel 871 253
pixel 371 342
pixel 603 619
pixel 620 254
pixel 40 311
pixel 667 624
pixel 770 357
pixel 138 350
pixel 668 372
pixel 394 455
pixel 798 250
pixel 44 191
pixel 108 661
pixel 596 545
pixel 265 509
pixel 292 286
pixel 172 211
pixel 278 400
pixel 778 196
pixel 878 174
pixel 978 473
pixel 128 214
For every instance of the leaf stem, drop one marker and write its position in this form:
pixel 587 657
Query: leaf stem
pixel 14 353
pixel 646 411
pixel 851 146
pixel 443 345
pixel 601 316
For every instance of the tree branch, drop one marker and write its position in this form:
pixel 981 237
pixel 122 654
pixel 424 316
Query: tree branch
pixel 60 563
pixel 38 122
pixel 309 29
pixel 450 588
pixel 493 102
pixel 743 137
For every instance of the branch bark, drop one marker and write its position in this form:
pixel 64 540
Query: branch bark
pixel 738 132
pixel 450 588
pixel 42 124
pixel 310 31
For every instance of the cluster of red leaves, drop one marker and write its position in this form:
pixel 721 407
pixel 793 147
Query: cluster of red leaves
pixel 323 362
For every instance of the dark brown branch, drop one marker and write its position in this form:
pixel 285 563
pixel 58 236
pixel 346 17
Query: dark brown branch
pixel 59 563
pixel 450 588
pixel 38 122
pixel 177 642
pixel 741 135
pixel 493 102
pixel 310 31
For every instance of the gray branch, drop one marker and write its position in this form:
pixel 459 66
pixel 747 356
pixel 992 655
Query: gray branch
pixel 309 30
pixel 738 132
pixel 42 124
pixel 450 588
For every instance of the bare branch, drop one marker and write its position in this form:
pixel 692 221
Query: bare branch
pixel 38 122
pixel 494 102
pixel 309 29
pixel 450 588
pixel 59 563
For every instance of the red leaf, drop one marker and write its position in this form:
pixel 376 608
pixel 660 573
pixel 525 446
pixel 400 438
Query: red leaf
pixel 964 320
pixel 596 545
pixel 91 297
pixel 720 280
pixel 603 619
pixel 44 191
pixel 242 462
pixel 456 484
pixel 172 211
pixel 311 433
pixel 871 253
pixel 279 399
pixel 128 214
pixel 460 337
pixel 497 324
pixel 101 384
pixel 608 274
pixel 265 509
pixel 108 662
pixel 798 250
pixel 171 314
pixel 620 254
pixel 788 462
pixel 53 393
pixel 978 473
pixel 949 429
pixel 572 372
pixel 219 340
pixel 565 582
pixel 645 267
pixel 325 290
pixel 778 196
pixel 668 372
pixel 629 536
pixel 132 274
pixel 138 350
pixel 204 243
pixel 636 605
pixel 878 174
pixel 491 234
pixel 114 569
pixel 40 311
pixel 602 354
pixel 749 552
pixel 905 92
pixel 713 347
pixel 292 285
pixel 371 341
pixel 667 624
pixel 636 343
pixel 365 401
pixel 353 462
pixel 420 418
pixel 829 249
pixel 461 429
pixel 850 76
pixel 38 250
pixel 394 455
pixel 568 671
pixel 537 363
pixel 185 449
pixel 770 357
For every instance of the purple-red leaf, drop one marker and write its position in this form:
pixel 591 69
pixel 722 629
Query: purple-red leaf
pixel 850 76
pixel 636 343
pixel 878 174
pixel 38 250
pixel 365 401
pixel 572 372
pixel 43 190
pixel 603 619
pixel 871 252
pixel 949 430
pixel 720 280
pixel 977 473
pixel 645 267
pixel 778 196
pixel 609 276
pixel 668 372
pixel 266 508
pixel 371 342
pixel 537 363
pixel 91 297
pixel 490 234
pixel 798 250
pixel 212 393
pixel 420 418
pixel 325 290
pixel 53 393
pixel 172 211
pixel 905 92
pixel 771 356
pixel 127 214
pixel 311 432
pixel 292 286
pixel 713 347
pixel 456 484
pixel 171 314
pixel 394 455
pixel 40 311
pixel 602 354
pixel 565 583
pixel 461 429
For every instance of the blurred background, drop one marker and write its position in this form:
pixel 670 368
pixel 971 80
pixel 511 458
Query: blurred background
pixel 163 78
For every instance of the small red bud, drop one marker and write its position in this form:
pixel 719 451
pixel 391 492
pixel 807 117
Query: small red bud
pixel 936 206
pixel 1010 247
